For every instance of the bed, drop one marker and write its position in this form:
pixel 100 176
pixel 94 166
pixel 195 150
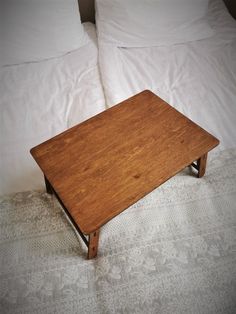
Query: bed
pixel 174 250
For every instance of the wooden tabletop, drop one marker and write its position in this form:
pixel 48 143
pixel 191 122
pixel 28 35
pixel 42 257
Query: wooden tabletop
pixel 105 164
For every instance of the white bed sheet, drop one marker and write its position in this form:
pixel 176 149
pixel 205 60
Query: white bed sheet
pixel 39 100
pixel 197 78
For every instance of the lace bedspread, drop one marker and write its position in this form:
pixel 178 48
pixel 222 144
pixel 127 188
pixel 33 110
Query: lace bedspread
pixel 172 252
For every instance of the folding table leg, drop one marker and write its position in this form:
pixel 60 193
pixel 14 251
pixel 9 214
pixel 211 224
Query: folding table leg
pixel 93 244
pixel 201 165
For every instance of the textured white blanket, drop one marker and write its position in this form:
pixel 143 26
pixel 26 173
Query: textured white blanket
pixel 172 252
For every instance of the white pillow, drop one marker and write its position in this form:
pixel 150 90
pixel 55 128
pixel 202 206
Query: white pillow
pixel 143 23
pixel 35 30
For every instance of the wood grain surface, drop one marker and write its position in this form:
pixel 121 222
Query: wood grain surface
pixel 105 164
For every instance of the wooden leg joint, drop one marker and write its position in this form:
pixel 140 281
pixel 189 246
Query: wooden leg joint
pixel 200 166
pixel 93 244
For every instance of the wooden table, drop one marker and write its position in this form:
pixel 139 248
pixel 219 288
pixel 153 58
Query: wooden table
pixel 100 167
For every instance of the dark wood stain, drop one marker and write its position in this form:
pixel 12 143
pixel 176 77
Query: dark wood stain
pixel 105 164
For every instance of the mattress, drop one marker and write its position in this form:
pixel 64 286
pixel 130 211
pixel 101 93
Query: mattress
pixel 39 100
pixel 197 78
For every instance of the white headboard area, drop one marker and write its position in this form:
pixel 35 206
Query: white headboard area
pixel 87 10
pixel 231 5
